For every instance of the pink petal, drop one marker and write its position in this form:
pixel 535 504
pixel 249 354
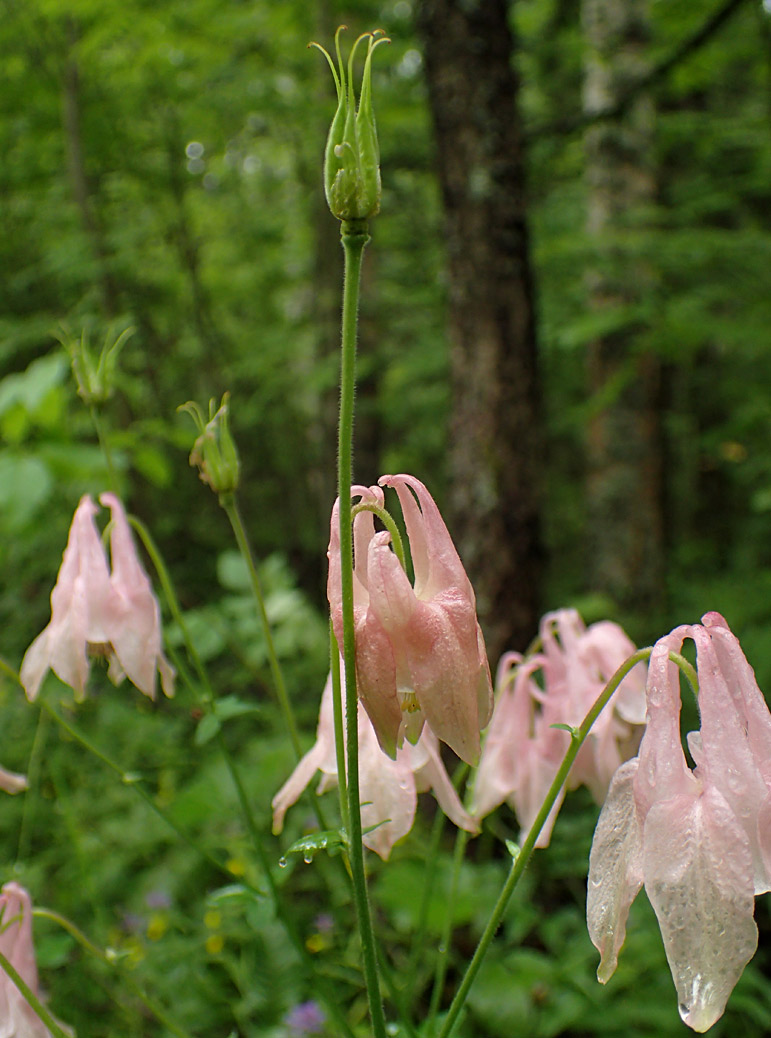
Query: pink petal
pixel 698 877
pixel 321 757
pixel 387 793
pixel 432 775
pixel 726 731
pixel 134 615
pixel 663 771
pixel 615 870
pixel 434 558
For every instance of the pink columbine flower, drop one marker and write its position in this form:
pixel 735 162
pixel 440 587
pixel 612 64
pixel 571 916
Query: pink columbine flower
pixel 523 750
pixel 388 788
pixel 700 840
pixel 17 1017
pixel 96 612
pixel 420 655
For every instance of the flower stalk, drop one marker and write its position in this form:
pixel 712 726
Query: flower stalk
pixel 354 238
pixel 578 737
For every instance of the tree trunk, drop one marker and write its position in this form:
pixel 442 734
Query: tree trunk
pixel 496 451
pixel 81 189
pixel 623 486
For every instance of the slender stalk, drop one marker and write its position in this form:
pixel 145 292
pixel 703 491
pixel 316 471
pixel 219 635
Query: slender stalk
pixel 228 503
pixel 354 238
pixel 419 936
pixel 578 736
pixel 105 446
pixel 133 782
pixel 113 961
pixel 329 997
pixel 208 698
pixel 30 996
pixel 171 598
pixel 32 796
pixel 444 942
pixel 387 520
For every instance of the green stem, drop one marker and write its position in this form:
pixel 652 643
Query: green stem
pixel 113 961
pixel 354 238
pixel 132 780
pixel 419 936
pixel 32 796
pixel 208 697
pixel 578 736
pixel 32 999
pixel 171 598
pixel 444 942
pixel 228 503
pixel 105 446
pixel 387 520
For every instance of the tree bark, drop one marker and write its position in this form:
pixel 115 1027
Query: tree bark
pixel 496 448
pixel 624 482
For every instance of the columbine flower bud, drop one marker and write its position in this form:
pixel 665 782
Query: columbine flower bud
pixel 214 451
pixel 352 155
pixel 95 378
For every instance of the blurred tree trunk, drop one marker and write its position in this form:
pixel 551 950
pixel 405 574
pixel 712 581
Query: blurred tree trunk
pixel 496 452
pixel 624 543
pixel 82 191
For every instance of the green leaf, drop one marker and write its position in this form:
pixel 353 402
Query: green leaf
pixel 331 840
pixel 208 727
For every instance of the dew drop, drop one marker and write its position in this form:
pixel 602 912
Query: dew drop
pixel 307 857
pixel 282 863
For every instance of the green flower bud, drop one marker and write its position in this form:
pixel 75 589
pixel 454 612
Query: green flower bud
pixel 214 451
pixel 95 379
pixel 352 155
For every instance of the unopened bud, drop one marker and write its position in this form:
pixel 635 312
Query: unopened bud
pixel 95 378
pixel 352 155
pixel 214 451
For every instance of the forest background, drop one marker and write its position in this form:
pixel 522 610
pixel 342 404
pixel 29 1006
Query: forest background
pixel 565 333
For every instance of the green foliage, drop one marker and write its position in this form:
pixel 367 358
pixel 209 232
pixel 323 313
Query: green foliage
pixel 161 169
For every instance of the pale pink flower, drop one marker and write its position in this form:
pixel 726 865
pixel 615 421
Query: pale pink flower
pixel 136 632
pixel 523 751
pixel 700 840
pixel 98 613
pixel 17 1017
pixel 388 788
pixel 420 655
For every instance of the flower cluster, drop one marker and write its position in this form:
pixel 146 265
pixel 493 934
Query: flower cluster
pixel 523 750
pixel 388 787
pixel 17 1017
pixel 699 840
pixel 420 655
pixel 98 612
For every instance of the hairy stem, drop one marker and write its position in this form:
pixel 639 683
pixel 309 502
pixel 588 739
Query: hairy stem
pixel 354 238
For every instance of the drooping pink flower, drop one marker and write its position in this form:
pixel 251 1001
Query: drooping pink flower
pixel 17 1017
pixel 388 788
pixel 420 655
pixel 136 632
pixel 698 839
pixel 523 751
pixel 98 613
